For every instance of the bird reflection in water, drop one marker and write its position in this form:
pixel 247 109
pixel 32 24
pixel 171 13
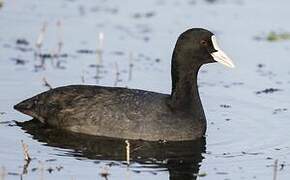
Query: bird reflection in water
pixel 181 159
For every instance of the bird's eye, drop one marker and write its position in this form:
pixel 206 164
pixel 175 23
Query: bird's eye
pixel 203 42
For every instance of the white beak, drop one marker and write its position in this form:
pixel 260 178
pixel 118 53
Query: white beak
pixel 219 55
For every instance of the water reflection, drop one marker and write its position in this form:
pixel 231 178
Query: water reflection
pixel 1 3
pixel 181 159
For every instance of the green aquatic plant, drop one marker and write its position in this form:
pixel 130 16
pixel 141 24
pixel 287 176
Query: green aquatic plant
pixel 274 36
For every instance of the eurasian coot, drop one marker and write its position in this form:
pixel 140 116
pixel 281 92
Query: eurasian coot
pixel 136 114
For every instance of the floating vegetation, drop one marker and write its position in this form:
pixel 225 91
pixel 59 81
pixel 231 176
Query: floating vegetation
pixel 86 51
pixel 279 110
pixel 225 106
pixel 145 15
pixel 43 57
pixel 22 45
pixel 274 36
pixel 260 65
pixel 19 61
pixel 157 60
pixel 54 55
pixel 22 41
pixel 268 91
pixel 23 49
pixel 118 53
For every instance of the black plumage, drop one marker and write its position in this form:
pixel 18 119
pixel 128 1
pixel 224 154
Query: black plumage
pixel 131 113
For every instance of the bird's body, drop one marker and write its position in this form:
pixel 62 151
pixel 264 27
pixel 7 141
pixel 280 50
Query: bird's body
pixel 131 113
pixel 115 112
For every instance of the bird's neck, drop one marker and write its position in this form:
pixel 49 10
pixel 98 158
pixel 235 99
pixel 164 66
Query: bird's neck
pixel 184 94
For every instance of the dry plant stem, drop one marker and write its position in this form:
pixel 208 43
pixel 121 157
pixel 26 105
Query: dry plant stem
pixel 25 167
pixel 130 66
pixel 275 169
pixel 99 50
pixel 39 40
pixel 41 168
pixel 60 38
pixel 98 66
pixel 99 55
pixel 25 151
pixel 128 176
pixel 127 152
pixel 105 173
pixel 83 76
pixel 117 74
pixel 2 173
pixel 60 43
pixel 46 83
pixel 101 41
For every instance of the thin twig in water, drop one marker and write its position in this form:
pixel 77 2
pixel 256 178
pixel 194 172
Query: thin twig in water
pixel 25 167
pixel 101 40
pixel 41 168
pixel 25 151
pixel 105 173
pixel 39 40
pixel 38 45
pixel 2 173
pixel 83 76
pixel 100 47
pixel 131 65
pixel 127 152
pixel 117 79
pixel 60 38
pixel 98 67
pixel 57 54
pixel 46 84
pixel 99 57
pixel 275 169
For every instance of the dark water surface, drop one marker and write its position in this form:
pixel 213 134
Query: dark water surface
pixel 247 108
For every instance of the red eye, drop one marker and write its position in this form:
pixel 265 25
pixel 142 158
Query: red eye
pixel 203 42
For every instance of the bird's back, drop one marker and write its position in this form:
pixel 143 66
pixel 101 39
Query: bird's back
pixel 113 112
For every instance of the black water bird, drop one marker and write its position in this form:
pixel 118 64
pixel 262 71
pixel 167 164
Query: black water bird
pixel 131 113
